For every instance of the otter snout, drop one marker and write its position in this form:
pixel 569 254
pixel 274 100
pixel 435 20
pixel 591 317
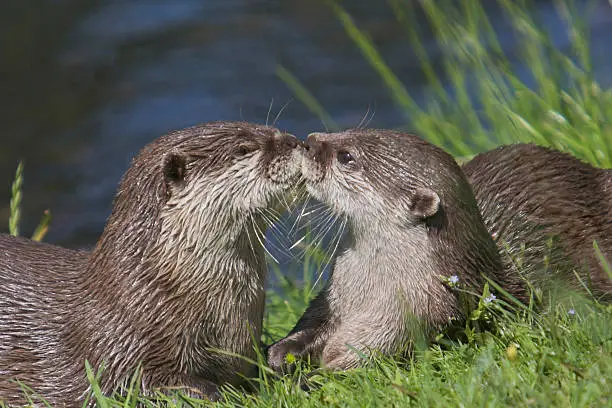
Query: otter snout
pixel 317 149
pixel 289 141
pixel 283 158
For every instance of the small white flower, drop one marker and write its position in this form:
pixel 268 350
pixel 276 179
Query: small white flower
pixel 490 298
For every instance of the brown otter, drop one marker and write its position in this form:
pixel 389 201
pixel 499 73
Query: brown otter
pixel 545 208
pixel 176 273
pixel 412 219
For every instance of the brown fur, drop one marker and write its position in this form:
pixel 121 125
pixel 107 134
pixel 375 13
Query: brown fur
pixel 554 206
pixel 400 243
pixel 176 272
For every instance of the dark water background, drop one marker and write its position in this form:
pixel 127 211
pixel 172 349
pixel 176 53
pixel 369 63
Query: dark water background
pixel 85 84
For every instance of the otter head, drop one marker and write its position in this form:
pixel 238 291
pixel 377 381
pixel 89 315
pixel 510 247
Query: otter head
pixel 203 187
pixel 379 176
pixel 237 166
pixel 400 193
pixel 219 179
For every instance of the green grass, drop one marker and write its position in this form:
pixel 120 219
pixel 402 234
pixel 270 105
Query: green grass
pixel 559 356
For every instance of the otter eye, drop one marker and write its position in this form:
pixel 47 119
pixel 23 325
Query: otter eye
pixel 244 149
pixel 344 157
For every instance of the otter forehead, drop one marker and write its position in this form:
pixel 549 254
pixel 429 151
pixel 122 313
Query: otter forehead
pixel 218 136
pixel 216 144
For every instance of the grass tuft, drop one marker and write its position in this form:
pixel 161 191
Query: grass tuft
pixel 478 101
pixel 15 209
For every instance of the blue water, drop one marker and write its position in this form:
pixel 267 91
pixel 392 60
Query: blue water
pixel 85 84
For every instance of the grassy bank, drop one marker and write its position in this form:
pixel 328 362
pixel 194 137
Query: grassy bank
pixel 559 356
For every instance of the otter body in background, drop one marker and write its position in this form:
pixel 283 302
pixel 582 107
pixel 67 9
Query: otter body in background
pixel 545 208
pixel 412 220
pixel 176 273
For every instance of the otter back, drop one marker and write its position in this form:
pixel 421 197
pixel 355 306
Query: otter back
pixel 35 309
pixel 544 209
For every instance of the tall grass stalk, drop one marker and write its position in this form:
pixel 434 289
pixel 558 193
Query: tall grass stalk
pixel 15 206
pixel 15 209
pixel 478 101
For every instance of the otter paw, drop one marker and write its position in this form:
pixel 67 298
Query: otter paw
pixel 282 355
pixel 201 389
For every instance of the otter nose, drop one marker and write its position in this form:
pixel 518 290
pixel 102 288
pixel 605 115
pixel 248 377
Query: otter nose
pixel 317 150
pixel 289 140
pixel 312 144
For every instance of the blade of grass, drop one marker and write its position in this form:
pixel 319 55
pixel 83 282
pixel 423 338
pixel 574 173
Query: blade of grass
pixel 306 97
pixel 15 205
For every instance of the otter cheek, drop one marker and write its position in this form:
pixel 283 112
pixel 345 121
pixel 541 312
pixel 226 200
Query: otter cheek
pixel 277 171
pixel 312 170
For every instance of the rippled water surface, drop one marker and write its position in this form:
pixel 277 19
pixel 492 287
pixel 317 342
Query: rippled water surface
pixel 85 84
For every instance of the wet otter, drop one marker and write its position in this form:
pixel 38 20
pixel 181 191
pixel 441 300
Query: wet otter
pixel 412 219
pixel 545 208
pixel 176 272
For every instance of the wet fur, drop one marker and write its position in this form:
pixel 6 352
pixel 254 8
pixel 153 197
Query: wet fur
pixel 540 203
pixel 176 272
pixel 385 287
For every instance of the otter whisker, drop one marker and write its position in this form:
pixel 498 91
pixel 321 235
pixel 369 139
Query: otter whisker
pixel 301 212
pixel 323 122
pixel 269 111
pixel 298 242
pixel 319 231
pixel 318 208
pixel 313 227
pixel 283 200
pixel 276 233
pixel 323 221
pixel 333 221
pixel 281 110
pixel 258 234
pixel 251 245
pixel 363 118
pixel 337 238
pixel 329 256
pixel 367 123
pixel 272 218
pixel 328 221
pixel 298 219
pixel 277 224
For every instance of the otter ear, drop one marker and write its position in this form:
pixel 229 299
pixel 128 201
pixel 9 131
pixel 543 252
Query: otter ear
pixel 174 167
pixel 425 203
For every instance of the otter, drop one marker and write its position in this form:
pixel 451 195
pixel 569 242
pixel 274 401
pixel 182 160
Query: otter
pixel 413 219
pixel 176 275
pixel 545 208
